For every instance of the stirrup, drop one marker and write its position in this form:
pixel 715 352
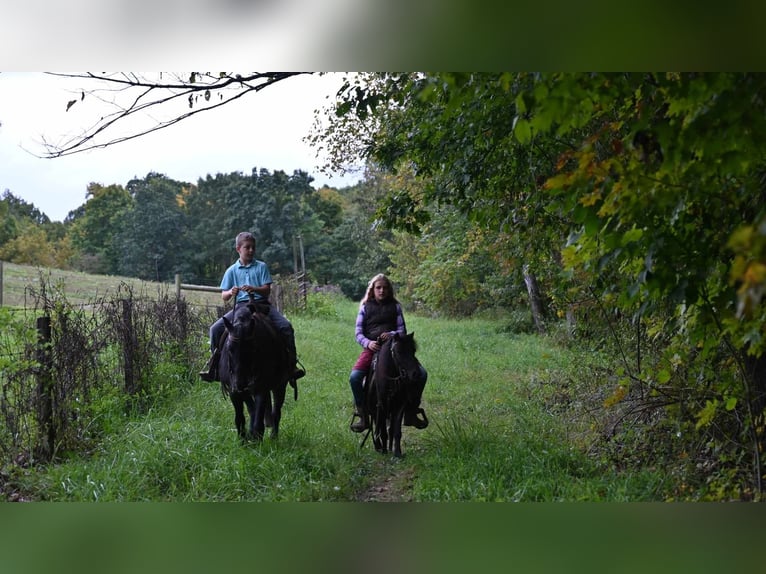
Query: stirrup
pixel 209 372
pixel 298 372
pixel 359 426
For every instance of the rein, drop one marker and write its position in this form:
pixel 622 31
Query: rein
pixel 398 363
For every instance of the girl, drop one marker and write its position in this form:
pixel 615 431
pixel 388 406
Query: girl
pixel 380 317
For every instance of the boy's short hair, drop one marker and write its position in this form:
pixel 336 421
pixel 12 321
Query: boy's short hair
pixel 242 237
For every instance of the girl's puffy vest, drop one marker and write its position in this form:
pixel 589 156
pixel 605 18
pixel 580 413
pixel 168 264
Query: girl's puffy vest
pixel 379 318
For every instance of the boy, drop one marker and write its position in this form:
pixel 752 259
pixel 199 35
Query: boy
pixel 245 276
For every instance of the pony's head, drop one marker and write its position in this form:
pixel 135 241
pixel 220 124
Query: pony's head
pixel 237 349
pixel 403 349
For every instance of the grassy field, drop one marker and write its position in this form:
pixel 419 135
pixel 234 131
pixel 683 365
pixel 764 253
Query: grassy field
pixel 81 288
pixel 493 434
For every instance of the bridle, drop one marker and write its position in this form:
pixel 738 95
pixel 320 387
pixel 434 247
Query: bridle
pixel 398 362
pixel 395 357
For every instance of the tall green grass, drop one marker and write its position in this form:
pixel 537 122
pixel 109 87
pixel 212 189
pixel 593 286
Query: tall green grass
pixel 491 437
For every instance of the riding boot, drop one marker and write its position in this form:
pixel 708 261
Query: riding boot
pixel 294 363
pixel 411 418
pixel 360 414
pixel 210 372
pixel 298 371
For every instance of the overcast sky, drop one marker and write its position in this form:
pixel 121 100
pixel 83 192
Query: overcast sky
pixel 261 130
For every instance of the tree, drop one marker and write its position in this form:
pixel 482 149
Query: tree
pixel 94 227
pixel 21 209
pixel 8 227
pixel 454 131
pixel 32 246
pixel 151 239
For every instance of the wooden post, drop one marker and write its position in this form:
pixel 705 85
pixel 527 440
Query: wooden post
pixel 1 283
pixel 128 347
pixel 178 285
pixel 47 429
pixel 302 285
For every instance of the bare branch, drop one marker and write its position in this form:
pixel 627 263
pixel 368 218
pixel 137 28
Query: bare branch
pixel 133 96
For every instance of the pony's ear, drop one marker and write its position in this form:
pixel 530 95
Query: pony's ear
pixel 228 324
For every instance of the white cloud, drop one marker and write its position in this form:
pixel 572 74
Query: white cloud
pixel 260 130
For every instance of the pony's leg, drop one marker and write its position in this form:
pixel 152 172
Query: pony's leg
pixel 268 415
pixel 381 423
pixel 276 414
pixel 239 415
pixel 258 425
pixel 396 431
pixel 250 403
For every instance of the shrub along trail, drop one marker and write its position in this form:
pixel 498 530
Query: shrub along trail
pixel 496 432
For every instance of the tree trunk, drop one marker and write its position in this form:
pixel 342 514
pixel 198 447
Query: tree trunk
pixel 535 299
pixel 755 371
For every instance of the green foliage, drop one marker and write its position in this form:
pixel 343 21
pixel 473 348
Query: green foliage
pixel 17 332
pixel 641 194
pixel 320 305
pixel 151 238
pixel 95 228
pixel 452 267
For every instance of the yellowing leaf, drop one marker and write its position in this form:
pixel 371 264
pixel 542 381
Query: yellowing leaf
pixel 741 238
pixel 706 415
pixel 617 396
pixel 558 181
pixel 591 198
pixel 755 273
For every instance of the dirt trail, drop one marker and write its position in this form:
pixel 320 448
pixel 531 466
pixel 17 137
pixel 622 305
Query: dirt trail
pixel 395 486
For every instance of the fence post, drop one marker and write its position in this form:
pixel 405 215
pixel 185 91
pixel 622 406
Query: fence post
pixel 128 347
pixel 1 283
pixel 47 430
pixel 178 285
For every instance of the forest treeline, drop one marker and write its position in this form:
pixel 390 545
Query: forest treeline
pixel 623 211
pixel 155 227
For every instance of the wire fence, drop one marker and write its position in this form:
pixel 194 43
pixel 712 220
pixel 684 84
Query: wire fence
pixel 64 365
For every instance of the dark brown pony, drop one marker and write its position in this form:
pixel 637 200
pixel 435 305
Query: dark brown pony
pixel 254 370
pixel 390 384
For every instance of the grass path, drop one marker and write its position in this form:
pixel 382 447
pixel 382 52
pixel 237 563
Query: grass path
pixel 491 437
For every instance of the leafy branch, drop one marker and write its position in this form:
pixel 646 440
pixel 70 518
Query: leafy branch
pixel 202 91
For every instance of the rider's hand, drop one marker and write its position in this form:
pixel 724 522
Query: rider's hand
pixel 374 346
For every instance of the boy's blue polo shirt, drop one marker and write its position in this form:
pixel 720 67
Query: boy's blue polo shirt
pixel 255 274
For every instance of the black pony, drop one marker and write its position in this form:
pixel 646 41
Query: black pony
pixel 253 369
pixel 390 389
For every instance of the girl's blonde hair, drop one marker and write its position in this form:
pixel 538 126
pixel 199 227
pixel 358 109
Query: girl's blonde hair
pixel 370 293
